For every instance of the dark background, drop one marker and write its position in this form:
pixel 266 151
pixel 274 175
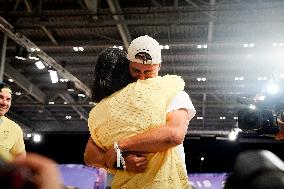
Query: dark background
pixel 219 155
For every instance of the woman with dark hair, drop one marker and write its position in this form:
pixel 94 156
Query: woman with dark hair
pixel 111 73
pixel 127 110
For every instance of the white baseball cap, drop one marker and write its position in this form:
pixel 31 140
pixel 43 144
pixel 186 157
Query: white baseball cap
pixel 144 50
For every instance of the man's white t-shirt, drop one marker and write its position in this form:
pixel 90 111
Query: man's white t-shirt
pixel 182 100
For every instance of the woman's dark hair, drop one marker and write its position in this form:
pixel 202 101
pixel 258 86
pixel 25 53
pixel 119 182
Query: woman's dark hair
pixel 111 73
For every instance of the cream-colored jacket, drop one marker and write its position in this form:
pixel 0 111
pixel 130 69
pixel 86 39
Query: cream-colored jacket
pixel 136 108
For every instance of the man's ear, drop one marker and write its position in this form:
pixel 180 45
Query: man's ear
pixel 159 67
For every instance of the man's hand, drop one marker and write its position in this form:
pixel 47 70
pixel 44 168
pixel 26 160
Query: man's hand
pixel 136 163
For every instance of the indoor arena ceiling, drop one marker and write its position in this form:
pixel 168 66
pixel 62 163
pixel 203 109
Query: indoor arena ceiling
pixel 223 49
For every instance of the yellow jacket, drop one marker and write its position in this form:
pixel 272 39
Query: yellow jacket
pixel 136 108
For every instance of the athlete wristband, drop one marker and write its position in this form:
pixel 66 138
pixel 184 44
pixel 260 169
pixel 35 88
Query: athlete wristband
pixel 119 158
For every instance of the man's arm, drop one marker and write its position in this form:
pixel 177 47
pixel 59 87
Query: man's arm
pixel 156 139
pixel 95 157
pixel 18 150
pixel 160 138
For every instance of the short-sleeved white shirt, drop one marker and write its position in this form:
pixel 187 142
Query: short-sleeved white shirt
pixel 182 100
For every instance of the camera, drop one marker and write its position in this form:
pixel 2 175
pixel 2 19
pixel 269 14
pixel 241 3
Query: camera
pixel 262 119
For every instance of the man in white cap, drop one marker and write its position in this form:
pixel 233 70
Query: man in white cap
pixel 144 54
pixel 11 134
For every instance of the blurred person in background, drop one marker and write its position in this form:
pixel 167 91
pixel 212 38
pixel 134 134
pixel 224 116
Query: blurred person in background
pixel 11 135
pixel 32 172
